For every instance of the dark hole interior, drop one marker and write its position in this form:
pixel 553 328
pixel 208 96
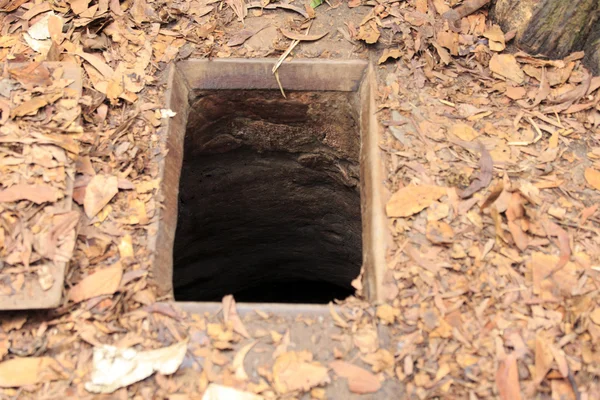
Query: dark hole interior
pixel 269 198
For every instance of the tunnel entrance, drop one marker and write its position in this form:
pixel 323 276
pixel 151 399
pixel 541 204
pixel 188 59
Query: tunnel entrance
pixel 269 197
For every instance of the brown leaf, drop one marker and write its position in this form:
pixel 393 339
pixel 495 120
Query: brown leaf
pixel 507 379
pixel 103 281
pixel 550 284
pixel 11 5
pixel 99 192
pixel 337 319
pixel 389 53
pixel 506 65
pixel 31 107
pixel 97 63
pixel 38 194
pixel 587 213
pixel 496 36
pixel 514 213
pixel 564 244
pixel 412 199
pixel 360 380
pixel 449 40
pixel 543 357
pixel 79 6
pixel 575 94
pixel 542 92
pixel 515 92
pixel 230 314
pixel 421 6
pixel 483 179
pixel 302 37
pixel 243 35
pixel 464 132
pixel 439 232
pixel 296 371
pixel 369 33
pixel 592 177
pixel 494 195
pixel 28 371
pixel 562 389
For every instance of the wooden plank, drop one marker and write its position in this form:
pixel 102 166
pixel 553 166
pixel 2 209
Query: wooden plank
pixel 308 75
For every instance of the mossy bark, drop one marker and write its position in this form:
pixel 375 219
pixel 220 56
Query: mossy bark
pixel 554 28
pixel 559 27
pixel 592 49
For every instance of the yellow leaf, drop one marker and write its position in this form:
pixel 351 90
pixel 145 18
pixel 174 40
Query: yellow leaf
pixel 411 199
pixel 593 178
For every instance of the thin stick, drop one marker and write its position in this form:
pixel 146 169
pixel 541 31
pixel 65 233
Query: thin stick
pixel 282 59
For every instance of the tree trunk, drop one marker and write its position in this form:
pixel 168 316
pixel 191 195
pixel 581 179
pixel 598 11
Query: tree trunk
pixel 554 28
pixel 592 49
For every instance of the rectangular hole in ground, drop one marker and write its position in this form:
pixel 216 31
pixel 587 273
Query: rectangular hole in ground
pixel 269 197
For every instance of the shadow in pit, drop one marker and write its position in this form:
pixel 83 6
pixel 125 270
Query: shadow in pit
pixel 269 199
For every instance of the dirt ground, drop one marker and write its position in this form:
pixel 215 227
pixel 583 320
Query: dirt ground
pixel 492 156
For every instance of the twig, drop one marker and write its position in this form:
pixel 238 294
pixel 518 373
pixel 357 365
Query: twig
pixel 282 59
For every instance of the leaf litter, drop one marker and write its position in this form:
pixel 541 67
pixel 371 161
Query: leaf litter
pixel 492 280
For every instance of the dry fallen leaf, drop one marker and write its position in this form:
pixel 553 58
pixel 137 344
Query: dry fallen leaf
pixel 506 65
pixel 104 281
pixel 115 368
pixel 369 33
pixel 543 357
pixel 230 314
pixel 243 35
pixel 220 392
pixel 302 37
pixel 507 379
pixel 238 362
pixel 296 371
pixel 36 193
pixel 389 53
pixel 360 380
pixel 464 132
pixel 496 36
pixel 484 177
pixel 592 177
pixel 411 199
pixel 99 192
pixel 387 313
pixel 28 371
pixel 515 92
pixel 439 232
pixel 366 339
